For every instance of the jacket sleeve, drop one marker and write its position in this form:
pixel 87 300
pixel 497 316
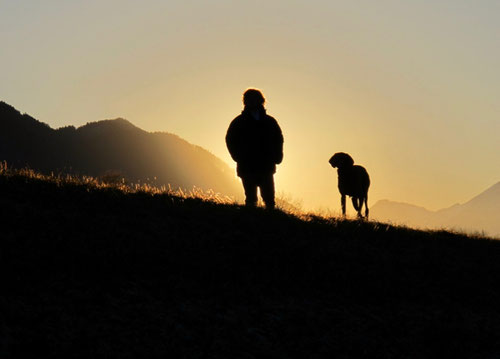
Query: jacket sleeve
pixel 277 143
pixel 232 141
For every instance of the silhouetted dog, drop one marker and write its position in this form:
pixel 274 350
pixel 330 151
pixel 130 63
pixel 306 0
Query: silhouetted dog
pixel 353 181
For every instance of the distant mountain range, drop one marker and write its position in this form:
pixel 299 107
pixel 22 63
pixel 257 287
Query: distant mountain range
pixel 112 148
pixel 480 214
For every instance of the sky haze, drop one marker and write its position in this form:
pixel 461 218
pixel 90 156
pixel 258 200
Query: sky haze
pixel 409 89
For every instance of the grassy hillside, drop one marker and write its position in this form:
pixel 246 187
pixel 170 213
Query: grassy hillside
pixel 91 271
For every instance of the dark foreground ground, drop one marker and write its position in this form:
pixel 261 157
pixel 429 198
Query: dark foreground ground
pixel 97 273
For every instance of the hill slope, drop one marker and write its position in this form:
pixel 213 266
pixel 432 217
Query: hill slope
pixel 96 272
pixel 113 147
pixel 480 214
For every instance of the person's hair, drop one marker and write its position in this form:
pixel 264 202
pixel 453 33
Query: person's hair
pixel 253 97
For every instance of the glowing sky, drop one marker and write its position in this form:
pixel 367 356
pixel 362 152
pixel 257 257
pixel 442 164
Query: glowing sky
pixel 409 88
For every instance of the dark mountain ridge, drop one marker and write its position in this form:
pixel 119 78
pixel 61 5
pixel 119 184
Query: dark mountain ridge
pixel 111 147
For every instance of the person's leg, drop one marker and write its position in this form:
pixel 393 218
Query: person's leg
pixel 266 185
pixel 250 186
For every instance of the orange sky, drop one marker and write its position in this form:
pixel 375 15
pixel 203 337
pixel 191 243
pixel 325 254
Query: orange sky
pixel 409 90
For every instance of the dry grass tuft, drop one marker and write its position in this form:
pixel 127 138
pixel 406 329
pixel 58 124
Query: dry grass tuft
pixel 118 183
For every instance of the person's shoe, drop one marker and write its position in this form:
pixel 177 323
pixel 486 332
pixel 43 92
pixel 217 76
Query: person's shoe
pixel 250 204
pixel 270 206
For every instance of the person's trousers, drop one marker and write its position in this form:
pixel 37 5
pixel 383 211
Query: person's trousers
pixel 266 184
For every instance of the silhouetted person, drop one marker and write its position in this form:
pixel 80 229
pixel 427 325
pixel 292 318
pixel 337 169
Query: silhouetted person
pixel 255 142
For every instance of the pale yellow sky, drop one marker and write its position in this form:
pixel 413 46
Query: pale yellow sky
pixel 409 89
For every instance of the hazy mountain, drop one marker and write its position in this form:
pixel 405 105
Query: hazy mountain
pixel 112 148
pixel 481 213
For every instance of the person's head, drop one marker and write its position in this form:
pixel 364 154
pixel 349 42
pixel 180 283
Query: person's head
pixel 253 98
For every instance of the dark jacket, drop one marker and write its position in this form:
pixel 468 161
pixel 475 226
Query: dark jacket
pixel 255 145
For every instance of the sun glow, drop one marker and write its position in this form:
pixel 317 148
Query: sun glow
pixel 412 106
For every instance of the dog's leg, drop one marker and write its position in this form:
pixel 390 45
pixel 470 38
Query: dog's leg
pixel 342 202
pixel 366 206
pixel 357 203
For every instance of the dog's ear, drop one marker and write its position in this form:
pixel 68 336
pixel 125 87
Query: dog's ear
pixel 341 159
pixel 331 161
pixel 347 160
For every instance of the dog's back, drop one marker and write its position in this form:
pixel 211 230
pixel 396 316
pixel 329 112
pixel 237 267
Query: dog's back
pixel 353 181
pixel 362 178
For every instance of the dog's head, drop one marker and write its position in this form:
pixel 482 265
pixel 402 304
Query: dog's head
pixel 341 160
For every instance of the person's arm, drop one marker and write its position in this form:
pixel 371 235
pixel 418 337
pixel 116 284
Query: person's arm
pixel 277 143
pixel 232 141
